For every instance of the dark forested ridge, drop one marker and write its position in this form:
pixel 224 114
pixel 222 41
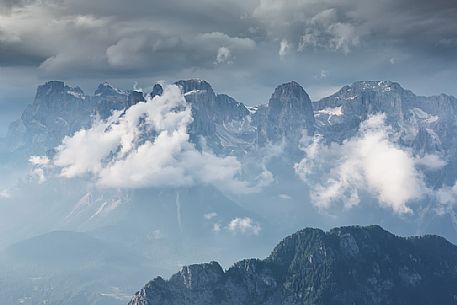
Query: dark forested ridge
pixel 347 265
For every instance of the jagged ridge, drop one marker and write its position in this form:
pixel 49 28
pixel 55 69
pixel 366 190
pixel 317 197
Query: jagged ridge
pixel 424 124
pixel 347 265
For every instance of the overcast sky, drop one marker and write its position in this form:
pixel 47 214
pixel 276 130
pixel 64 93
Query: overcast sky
pixel 242 47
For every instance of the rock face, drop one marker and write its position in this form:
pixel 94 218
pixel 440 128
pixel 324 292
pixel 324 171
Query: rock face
pixel 60 110
pixel 289 114
pixel 339 115
pixel 219 120
pixel 227 126
pixel 424 125
pixel 57 110
pixel 348 265
pixel 224 124
pixel 107 99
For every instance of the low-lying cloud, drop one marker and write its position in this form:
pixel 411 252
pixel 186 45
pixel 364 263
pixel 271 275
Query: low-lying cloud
pixel 147 145
pixel 369 162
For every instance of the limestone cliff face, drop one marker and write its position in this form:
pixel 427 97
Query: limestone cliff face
pixel 290 113
pixel 425 125
pixel 59 110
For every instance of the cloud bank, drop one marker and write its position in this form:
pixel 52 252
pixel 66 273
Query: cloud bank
pixel 147 145
pixel 234 44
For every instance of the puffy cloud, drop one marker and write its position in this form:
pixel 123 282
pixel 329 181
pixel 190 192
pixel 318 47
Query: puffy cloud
pixel 223 55
pixel 78 155
pixel 40 166
pixel 431 162
pixel 39 160
pixel 5 194
pixel 447 195
pixel 216 227
pixel 244 225
pixel 325 31
pixel 369 162
pixel 147 145
pixel 284 196
pixel 210 216
pixel 284 48
pixel 38 173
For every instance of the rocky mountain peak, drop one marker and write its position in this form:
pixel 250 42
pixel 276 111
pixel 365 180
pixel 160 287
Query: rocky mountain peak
pixel 367 93
pixel 290 93
pixel 156 90
pixel 198 276
pixel 194 86
pixel 367 87
pixel 291 111
pixel 384 85
pixel 229 108
pixel 228 125
pixel 105 89
pixel 58 89
pixel 341 113
pixel 49 87
pixel 134 97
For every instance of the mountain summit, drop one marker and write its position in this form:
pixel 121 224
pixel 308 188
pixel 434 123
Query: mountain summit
pixel 289 106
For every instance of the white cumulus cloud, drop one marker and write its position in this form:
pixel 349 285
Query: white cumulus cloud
pixel 223 55
pixel 369 162
pixel 147 145
pixel 447 195
pixel 244 225
pixel 284 48
pixel 39 160
pixel 5 194
pixel 431 162
pixel 40 165
pixel 210 216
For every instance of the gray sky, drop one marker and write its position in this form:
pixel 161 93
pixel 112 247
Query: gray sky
pixel 242 47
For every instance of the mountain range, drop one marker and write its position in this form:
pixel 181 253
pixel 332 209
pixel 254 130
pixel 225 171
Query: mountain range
pixel 297 163
pixel 423 124
pixel 423 127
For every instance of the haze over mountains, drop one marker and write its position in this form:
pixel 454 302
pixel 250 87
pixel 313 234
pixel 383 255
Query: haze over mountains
pixel 248 121
pixel 183 174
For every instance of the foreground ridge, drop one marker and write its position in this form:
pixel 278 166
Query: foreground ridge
pixel 347 265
